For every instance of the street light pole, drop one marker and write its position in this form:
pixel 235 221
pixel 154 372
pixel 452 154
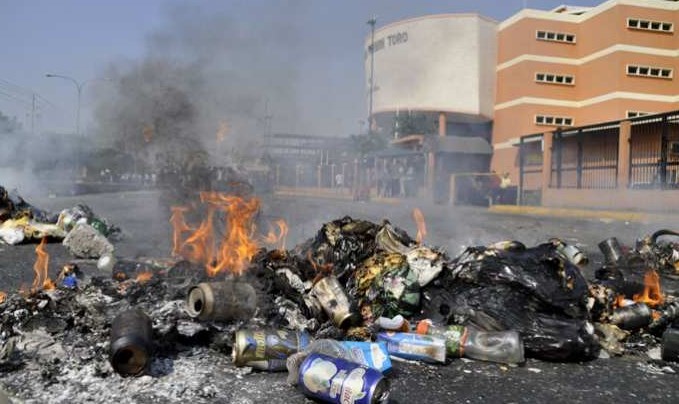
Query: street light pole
pixel 79 88
pixel 372 23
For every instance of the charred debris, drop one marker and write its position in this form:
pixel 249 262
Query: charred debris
pixel 354 282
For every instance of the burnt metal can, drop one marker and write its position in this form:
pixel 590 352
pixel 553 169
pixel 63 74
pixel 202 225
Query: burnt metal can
pixel 221 301
pixel 336 380
pixel 611 250
pixel 669 350
pixel 632 317
pixel 263 349
pixel 334 301
pixel 131 342
pixel 573 254
pixel 570 252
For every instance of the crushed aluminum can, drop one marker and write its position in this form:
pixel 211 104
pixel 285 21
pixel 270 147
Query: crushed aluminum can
pixel 570 252
pixel 669 348
pixel 131 342
pixel 334 301
pixel 632 317
pixel 221 301
pixel 267 349
pixel 425 348
pixel 611 250
pixel 336 380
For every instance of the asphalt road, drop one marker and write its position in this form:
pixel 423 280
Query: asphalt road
pixel 144 220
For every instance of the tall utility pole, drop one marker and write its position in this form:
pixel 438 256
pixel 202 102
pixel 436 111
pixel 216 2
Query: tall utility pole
pixel 267 118
pixel 372 23
pixel 33 114
pixel 79 88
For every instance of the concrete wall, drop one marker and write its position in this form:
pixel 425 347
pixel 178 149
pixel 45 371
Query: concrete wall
pixel 435 63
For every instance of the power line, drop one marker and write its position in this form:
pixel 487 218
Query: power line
pixel 14 98
pixel 20 91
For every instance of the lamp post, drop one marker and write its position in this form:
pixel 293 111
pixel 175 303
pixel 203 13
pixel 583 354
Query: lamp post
pixel 372 23
pixel 79 88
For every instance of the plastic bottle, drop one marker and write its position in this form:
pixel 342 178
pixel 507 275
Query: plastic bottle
pixel 492 346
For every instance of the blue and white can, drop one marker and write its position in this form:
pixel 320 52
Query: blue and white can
pixel 335 380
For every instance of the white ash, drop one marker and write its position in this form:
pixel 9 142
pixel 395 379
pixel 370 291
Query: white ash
pixel 84 241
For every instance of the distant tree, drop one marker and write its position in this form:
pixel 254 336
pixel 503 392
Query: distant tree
pixel 365 144
pixel 9 125
pixel 411 124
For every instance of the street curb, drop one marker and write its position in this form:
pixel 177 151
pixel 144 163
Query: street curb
pixel 581 213
pixel 330 195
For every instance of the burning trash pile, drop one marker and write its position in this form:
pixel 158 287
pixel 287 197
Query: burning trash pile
pixel 333 311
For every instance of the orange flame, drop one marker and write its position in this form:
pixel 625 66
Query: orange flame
pixel 321 269
pixel 144 277
pixel 234 250
pixel 273 238
pixel 147 131
pixel 179 227
pixel 620 301
pixel 421 225
pixel 222 131
pixel 42 280
pixel 3 297
pixel 652 294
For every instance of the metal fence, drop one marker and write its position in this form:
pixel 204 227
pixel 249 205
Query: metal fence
pixel 585 157
pixel 654 152
pixel 530 170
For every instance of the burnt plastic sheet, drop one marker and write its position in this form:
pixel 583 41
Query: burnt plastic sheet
pixel 533 291
pixel 340 245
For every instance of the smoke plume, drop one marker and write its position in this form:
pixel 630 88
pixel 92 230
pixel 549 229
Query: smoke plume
pixel 208 82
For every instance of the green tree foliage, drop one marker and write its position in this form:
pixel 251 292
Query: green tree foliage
pixel 369 143
pixel 414 124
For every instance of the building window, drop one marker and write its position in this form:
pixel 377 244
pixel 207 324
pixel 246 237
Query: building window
pixel 555 36
pixel 634 114
pixel 548 120
pixel 646 25
pixel 649 71
pixel 551 78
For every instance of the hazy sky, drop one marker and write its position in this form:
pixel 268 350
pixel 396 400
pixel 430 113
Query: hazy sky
pixel 81 38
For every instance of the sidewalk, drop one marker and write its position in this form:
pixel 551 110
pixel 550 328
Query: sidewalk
pixel 329 193
pixel 628 216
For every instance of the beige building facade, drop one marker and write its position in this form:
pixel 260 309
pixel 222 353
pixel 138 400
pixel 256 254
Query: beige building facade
pixel 571 67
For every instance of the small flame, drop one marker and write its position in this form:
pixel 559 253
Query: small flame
pixel 620 301
pixel 321 269
pixel 42 280
pixel 234 250
pixel 421 225
pixel 179 227
pixel 3 297
pixel 223 130
pixel 147 131
pixel 144 277
pixel 652 294
pixel 274 238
